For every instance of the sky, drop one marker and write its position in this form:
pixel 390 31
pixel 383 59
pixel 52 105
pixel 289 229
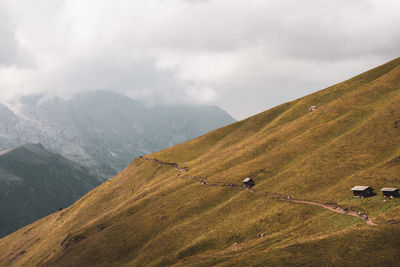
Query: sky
pixel 245 56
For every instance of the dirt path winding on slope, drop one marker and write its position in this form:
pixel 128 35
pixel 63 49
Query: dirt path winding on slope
pixel 337 210
pixel 329 206
pixel 276 196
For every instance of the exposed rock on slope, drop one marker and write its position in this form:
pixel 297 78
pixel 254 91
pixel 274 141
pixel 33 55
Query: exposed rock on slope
pixel 103 130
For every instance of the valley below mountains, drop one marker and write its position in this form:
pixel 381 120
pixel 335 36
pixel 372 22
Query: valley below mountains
pixel 35 183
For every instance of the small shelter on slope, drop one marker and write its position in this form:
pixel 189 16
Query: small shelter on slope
pixel 312 108
pixel 390 192
pixel 249 182
pixel 362 191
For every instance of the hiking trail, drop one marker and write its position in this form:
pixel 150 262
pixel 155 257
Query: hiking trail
pixel 334 207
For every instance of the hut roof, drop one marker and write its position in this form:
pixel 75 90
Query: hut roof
pixel 248 179
pixel 389 189
pixel 360 188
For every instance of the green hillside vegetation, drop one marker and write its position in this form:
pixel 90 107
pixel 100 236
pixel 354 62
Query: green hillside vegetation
pixel 35 183
pixel 155 214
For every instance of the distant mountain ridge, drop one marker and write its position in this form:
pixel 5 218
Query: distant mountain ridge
pixel 35 183
pixel 103 130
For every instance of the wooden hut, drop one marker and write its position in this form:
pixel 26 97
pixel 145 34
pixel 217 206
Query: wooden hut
pixel 248 182
pixel 362 191
pixel 390 192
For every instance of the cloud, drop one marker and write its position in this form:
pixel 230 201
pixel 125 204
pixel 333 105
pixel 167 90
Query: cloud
pixel 9 44
pixel 245 56
pixel 201 94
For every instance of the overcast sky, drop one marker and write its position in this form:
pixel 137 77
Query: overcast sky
pixel 243 55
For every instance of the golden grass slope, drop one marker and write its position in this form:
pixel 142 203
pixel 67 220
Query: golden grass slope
pixel 153 217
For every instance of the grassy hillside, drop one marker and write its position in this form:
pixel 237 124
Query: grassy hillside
pixel 158 214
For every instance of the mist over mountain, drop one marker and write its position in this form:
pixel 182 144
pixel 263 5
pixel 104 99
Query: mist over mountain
pixel 35 183
pixel 103 130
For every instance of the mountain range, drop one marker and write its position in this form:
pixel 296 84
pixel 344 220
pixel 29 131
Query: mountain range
pixel 103 130
pixel 35 183
pixel 186 205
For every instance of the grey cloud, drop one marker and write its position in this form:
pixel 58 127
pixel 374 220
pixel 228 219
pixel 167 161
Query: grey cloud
pixel 243 55
pixel 118 73
pixel 8 43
